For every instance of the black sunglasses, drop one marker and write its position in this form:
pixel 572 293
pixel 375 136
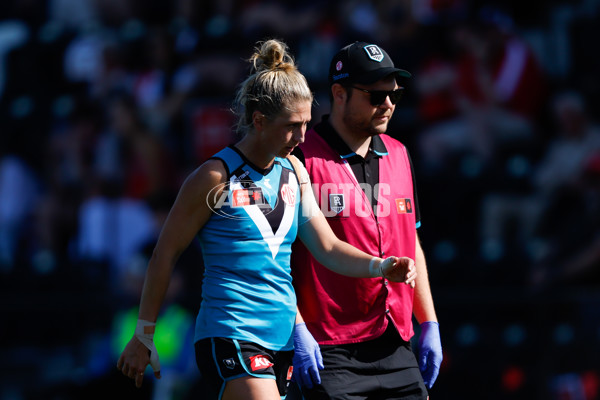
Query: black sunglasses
pixel 377 97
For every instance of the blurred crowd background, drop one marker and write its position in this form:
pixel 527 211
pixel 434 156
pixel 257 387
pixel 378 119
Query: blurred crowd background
pixel 106 106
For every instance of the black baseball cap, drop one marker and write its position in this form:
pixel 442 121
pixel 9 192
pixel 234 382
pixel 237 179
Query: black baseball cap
pixel 362 62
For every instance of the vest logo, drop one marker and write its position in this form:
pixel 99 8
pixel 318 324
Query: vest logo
pixel 229 363
pixel 374 52
pixel 247 197
pixel 288 195
pixel 260 362
pixel 404 206
pixel 336 202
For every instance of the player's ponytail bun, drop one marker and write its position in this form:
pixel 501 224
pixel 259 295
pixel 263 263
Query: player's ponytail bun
pixel 272 55
pixel 274 84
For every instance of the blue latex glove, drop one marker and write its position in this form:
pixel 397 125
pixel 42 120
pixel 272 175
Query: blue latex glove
pixel 430 352
pixel 307 357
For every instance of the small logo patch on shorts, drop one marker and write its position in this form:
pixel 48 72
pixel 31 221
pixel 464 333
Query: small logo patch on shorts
pixel 229 363
pixel 260 362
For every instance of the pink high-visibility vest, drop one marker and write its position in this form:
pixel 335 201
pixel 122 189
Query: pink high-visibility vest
pixel 339 309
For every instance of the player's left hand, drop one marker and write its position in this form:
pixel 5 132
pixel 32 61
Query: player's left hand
pixel 430 352
pixel 399 269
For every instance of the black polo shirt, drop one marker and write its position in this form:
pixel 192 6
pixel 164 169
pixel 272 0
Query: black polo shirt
pixel 366 170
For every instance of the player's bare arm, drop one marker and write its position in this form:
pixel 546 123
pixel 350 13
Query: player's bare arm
pixel 191 210
pixel 342 257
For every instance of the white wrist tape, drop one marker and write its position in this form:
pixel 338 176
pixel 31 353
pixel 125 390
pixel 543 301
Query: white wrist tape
pixel 378 267
pixel 375 267
pixel 386 265
pixel 144 331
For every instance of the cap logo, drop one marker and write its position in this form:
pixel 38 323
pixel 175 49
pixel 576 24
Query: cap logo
pixel 374 52
pixel 338 66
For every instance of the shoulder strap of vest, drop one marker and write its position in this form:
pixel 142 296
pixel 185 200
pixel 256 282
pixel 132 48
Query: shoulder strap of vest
pixel 297 168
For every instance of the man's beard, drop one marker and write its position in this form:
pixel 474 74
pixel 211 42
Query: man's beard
pixel 364 125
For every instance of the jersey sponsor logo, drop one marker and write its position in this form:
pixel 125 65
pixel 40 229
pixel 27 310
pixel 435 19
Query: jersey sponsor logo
pixel 252 202
pixel 260 362
pixel 374 52
pixel 239 197
pixel 229 363
pixel 404 206
pixel 336 202
pixel 247 197
pixel 273 236
pixel 288 195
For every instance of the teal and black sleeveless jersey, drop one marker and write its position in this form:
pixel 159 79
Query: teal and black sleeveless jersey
pixel 247 292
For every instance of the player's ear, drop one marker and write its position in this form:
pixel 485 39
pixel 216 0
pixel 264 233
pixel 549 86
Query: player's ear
pixel 258 120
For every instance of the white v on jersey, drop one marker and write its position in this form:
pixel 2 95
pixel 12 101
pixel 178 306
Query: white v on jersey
pixel 247 292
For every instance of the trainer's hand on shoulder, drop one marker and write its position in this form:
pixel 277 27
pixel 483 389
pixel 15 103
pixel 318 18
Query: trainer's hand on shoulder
pixel 399 269
pixel 307 357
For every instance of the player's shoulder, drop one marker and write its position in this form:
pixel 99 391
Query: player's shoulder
pixel 212 172
pixel 299 154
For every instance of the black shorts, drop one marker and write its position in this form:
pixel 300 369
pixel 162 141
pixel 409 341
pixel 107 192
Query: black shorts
pixel 383 368
pixel 220 360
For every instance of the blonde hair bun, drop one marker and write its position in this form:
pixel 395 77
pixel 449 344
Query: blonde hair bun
pixel 272 55
pixel 275 84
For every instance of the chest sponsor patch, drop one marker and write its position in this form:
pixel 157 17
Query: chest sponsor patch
pixel 260 362
pixel 247 197
pixel 404 206
pixel 336 202
pixel 288 195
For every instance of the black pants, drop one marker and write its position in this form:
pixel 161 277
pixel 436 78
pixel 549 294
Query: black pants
pixel 381 369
